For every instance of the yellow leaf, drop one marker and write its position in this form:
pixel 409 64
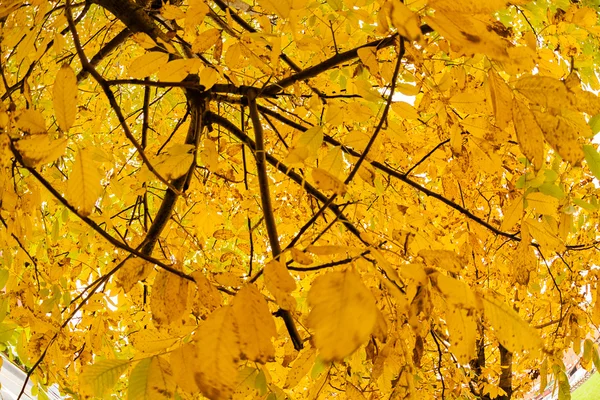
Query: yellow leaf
pixel 470 6
pixel 99 378
pixel 306 146
pixel 217 354
pixel 207 296
pixel 151 378
pixel 582 100
pixel 8 7
pixel 228 279
pixel 65 97
pixel 184 362
pixel 208 77
pixel 544 234
pixel 405 21
pixel 205 40
pixel 40 149
pixel 328 250
pixel 178 70
pixel 151 340
pixel 147 64
pixel 132 271
pixel 83 186
pixel 210 156
pixel 529 134
pixel 470 102
pixel 445 259
pixel 469 34
pixel 233 55
pixel 405 110
pixel 463 334
pixel 256 325
pixel 562 136
pixel 170 11
pixel 343 313
pixel 144 40
pixel 175 161
pixel 544 91
pixel 596 309
pixel 368 56
pixel 328 182
pixel 543 204
pixel 280 283
pixel 169 297
pixel 456 292
pixel 364 89
pixel 513 213
pixel 300 367
pixel 195 14
pixel 333 162
pixel 353 393
pixel 501 99
pixel 512 332
pixel 300 257
pixel 31 121
pixel 279 7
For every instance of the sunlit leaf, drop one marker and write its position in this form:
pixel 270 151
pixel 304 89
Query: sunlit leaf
pixel 84 186
pixel 65 97
pixel 342 315
pixel 99 378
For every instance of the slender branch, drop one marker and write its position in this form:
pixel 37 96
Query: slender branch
pixel 265 197
pixel 331 62
pixel 263 178
pixel 300 180
pixel 33 260
pixel 439 366
pixel 383 118
pixel 108 48
pixel 426 156
pixel 404 178
pixel 90 222
pixel 111 99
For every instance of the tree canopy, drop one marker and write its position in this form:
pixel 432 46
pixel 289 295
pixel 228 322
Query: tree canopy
pixel 299 199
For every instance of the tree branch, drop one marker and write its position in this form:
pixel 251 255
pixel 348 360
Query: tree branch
pixel 265 197
pixel 111 98
pixel 108 48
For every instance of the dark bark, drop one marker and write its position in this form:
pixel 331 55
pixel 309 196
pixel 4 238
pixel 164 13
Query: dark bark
pixel 506 374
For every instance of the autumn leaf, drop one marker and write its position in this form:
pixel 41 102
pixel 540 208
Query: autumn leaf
pixel 169 298
pixel 65 97
pixel 217 353
pixel 529 134
pixel 151 378
pixel 255 323
pixel 280 283
pixel 99 378
pixel 514 333
pixel 31 121
pixel 84 186
pixel 132 271
pixel 147 64
pixel 463 334
pixel 342 315
pixel 41 149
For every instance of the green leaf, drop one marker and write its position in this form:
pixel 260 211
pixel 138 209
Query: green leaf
pixel 594 123
pixel 596 358
pixel 593 159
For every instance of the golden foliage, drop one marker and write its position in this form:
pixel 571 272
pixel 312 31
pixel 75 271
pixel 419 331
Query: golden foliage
pixel 288 199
